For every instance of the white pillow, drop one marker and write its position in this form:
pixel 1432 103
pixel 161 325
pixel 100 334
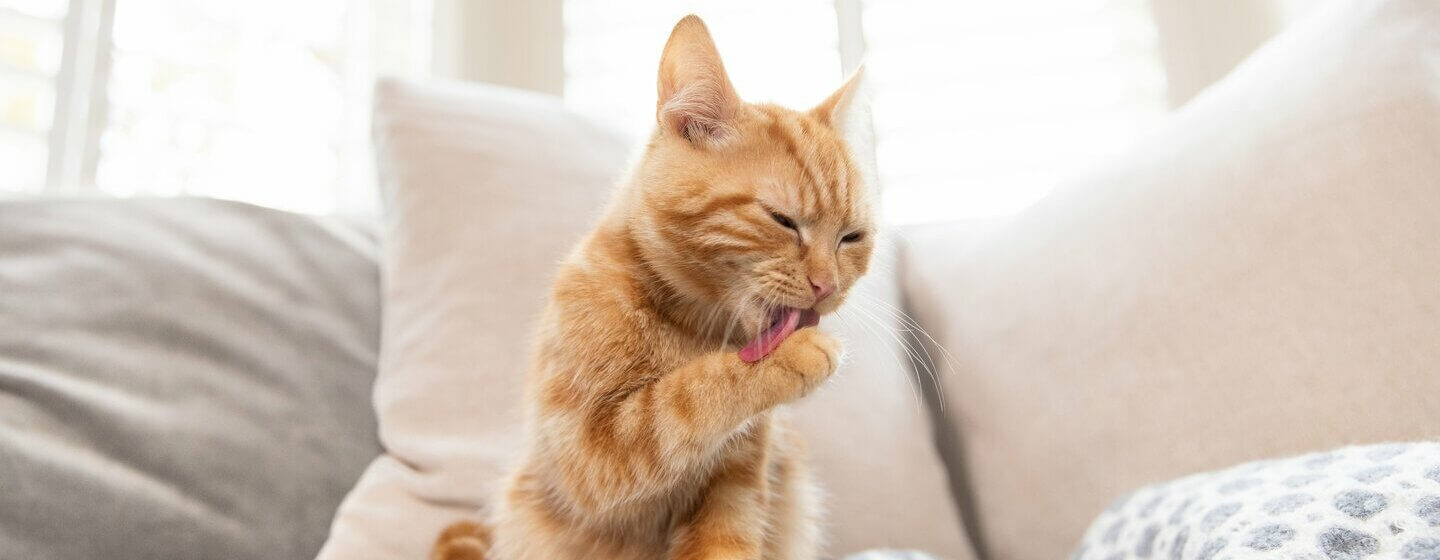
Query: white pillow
pixel 1259 279
pixel 486 189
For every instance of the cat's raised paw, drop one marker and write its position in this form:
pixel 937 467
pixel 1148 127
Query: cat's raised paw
pixel 807 358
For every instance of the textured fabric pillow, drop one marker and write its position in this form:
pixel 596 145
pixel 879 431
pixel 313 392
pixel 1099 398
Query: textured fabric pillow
pixel 1258 280
pixel 180 379
pixel 486 190
pixel 1379 501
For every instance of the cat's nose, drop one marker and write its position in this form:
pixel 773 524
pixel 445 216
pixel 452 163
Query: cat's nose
pixel 821 287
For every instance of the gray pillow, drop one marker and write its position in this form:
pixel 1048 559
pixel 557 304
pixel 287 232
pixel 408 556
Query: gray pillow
pixel 180 379
pixel 1372 502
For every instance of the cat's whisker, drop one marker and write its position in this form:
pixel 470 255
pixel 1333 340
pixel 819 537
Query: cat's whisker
pixel 919 355
pixel 767 301
pixel 906 339
pixel 728 319
pixel 898 335
pixel 912 328
pixel 709 324
pixel 735 317
pixel 912 325
pixel 845 314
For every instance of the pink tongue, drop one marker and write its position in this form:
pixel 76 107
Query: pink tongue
pixel 767 341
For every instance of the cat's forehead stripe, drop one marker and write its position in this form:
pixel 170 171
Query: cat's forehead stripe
pixel 802 146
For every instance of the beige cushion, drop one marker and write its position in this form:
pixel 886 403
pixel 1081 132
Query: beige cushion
pixel 1262 278
pixel 486 189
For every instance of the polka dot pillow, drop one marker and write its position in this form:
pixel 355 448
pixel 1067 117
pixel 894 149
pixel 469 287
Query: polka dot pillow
pixel 1376 502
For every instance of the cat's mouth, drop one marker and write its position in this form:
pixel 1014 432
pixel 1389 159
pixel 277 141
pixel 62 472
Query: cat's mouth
pixel 783 321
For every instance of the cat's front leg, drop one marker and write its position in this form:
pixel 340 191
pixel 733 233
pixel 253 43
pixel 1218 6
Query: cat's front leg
pixel 730 520
pixel 656 435
pixel 706 401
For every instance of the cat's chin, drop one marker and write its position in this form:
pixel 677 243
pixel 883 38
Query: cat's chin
pixel 783 322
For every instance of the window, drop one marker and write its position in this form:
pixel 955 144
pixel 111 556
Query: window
pixel 265 101
pixel 32 36
pixel 979 106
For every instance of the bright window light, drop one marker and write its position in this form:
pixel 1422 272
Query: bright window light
pixel 31 41
pixel 784 52
pixel 263 101
pixel 982 106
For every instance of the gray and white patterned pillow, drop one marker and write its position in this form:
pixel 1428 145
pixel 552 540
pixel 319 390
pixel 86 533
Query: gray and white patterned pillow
pixel 1371 502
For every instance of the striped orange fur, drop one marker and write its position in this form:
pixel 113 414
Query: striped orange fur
pixel 649 436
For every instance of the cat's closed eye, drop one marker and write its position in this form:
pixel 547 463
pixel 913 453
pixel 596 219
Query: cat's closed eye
pixel 783 220
pixel 853 237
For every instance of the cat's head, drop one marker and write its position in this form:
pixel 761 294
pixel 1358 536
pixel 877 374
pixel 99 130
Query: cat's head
pixel 757 212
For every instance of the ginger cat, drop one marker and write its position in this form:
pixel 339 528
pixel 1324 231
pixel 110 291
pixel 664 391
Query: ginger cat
pixel 678 326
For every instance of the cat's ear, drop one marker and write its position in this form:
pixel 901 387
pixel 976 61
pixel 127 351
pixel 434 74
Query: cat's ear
pixel 696 100
pixel 847 112
pixel 846 109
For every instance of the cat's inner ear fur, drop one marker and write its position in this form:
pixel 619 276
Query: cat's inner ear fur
pixel 696 99
pixel 845 110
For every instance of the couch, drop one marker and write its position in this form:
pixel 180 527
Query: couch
pixel 198 379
